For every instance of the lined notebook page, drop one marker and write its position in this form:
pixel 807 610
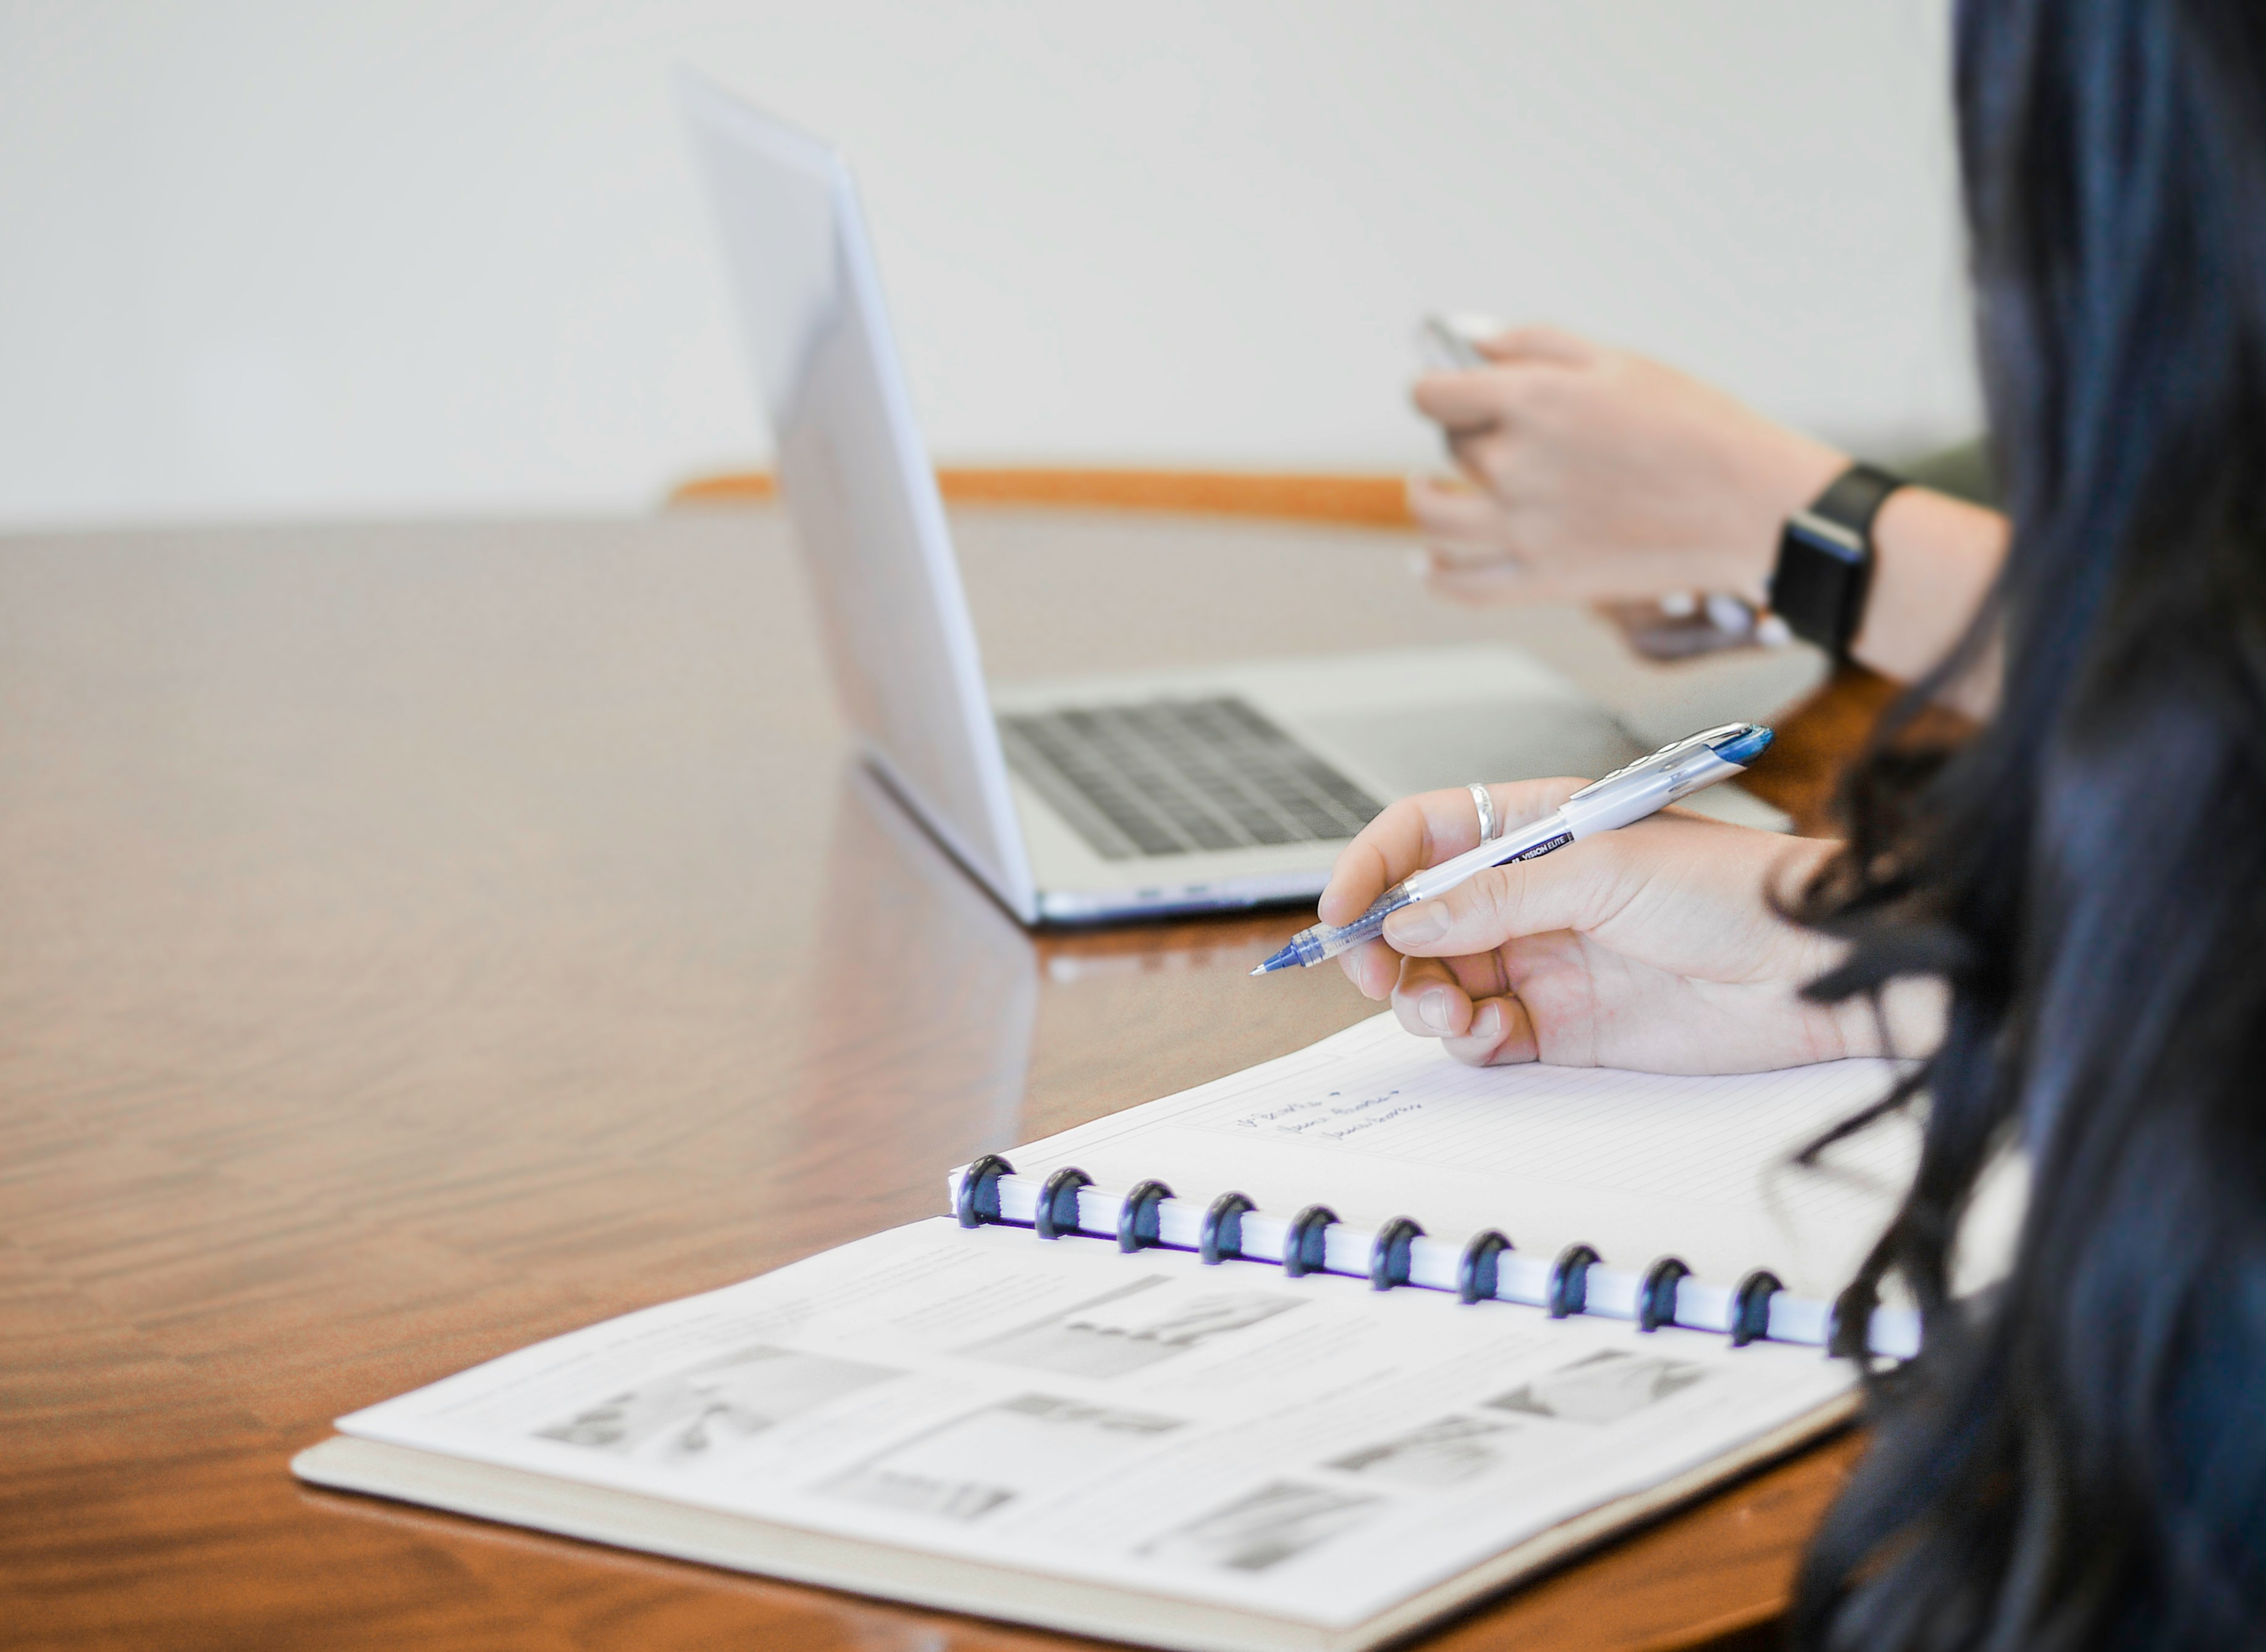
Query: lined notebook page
pixel 1376 1124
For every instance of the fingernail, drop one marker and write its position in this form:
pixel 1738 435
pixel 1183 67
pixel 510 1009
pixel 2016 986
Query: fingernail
pixel 1487 1021
pixel 1413 925
pixel 1432 1009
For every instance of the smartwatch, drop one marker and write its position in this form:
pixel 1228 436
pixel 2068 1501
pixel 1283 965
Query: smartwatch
pixel 1825 559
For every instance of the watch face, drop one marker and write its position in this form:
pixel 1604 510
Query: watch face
pixel 1829 537
pixel 1819 588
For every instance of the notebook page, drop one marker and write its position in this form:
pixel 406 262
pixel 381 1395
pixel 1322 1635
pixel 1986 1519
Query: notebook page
pixel 1376 1124
pixel 1309 1448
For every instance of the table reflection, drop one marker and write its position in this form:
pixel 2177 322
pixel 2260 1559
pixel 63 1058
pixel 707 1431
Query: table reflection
pixel 922 998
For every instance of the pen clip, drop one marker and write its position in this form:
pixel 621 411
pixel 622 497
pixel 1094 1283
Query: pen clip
pixel 1665 756
pixel 1673 749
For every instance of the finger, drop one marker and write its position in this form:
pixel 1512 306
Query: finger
pixel 1424 486
pixel 1434 996
pixel 1516 567
pixel 1373 968
pixel 1539 343
pixel 1429 1002
pixel 1505 579
pixel 1490 460
pixel 1416 831
pixel 1577 888
pixel 1500 1031
pixel 1510 577
pixel 1455 515
pixel 1378 971
pixel 1423 831
pixel 1468 402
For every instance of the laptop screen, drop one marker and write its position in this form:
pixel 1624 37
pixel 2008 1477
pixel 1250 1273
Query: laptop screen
pixel 856 480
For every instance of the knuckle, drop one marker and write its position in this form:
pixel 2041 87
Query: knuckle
pixel 1504 896
pixel 1493 454
pixel 1546 398
pixel 1482 907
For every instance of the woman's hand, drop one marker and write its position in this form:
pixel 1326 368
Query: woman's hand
pixel 1653 947
pixel 1594 473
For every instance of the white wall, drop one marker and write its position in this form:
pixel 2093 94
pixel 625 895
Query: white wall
pixel 409 256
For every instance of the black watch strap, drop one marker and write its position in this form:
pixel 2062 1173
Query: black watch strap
pixel 1825 559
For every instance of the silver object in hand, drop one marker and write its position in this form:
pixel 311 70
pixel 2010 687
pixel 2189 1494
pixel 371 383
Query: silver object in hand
pixel 1490 828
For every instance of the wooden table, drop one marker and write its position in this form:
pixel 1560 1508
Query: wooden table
pixel 415 941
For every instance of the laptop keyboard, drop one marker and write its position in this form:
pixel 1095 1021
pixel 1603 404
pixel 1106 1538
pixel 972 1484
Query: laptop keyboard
pixel 1176 777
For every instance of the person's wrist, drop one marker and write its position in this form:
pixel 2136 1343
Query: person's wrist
pixel 1768 481
pixel 1904 1023
pixel 1806 470
pixel 1850 1026
pixel 1786 475
pixel 1896 525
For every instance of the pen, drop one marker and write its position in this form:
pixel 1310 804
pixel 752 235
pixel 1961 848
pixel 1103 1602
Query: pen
pixel 1622 798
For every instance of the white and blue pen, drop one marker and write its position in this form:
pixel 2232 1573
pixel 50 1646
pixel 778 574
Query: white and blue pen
pixel 1623 797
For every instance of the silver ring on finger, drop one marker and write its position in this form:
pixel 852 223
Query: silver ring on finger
pixel 1489 829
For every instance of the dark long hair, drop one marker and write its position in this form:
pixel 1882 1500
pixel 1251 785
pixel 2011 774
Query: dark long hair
pixel 2079 1460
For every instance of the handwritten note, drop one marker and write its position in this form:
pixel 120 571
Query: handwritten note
pixel 1333 1117
pixel 1376 1123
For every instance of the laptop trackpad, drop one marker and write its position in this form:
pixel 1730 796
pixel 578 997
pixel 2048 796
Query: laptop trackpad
pixel 1422 748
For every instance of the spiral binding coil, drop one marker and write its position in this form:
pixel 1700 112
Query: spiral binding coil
pixel 1655 1298
pixel 1222 1229
pixel 1306 1249
pixel 1751 1307
pixel 1058 1211
pixel 1388 1253
pixel 1475 1268
pixel 1136 1216
pixel 1569 1280
pixel 1758 1310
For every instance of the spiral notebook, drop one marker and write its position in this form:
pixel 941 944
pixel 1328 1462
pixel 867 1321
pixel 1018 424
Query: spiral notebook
pixel 1304 1358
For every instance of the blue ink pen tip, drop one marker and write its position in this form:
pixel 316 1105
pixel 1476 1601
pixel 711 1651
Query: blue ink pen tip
pixel 1744 748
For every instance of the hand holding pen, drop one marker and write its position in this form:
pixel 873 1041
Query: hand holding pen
pixel 1628 794
pixel 1653 947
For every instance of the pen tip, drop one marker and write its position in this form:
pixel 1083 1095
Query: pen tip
pixel 1260 970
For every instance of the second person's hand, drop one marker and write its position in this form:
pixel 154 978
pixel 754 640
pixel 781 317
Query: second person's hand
pixel 1594 473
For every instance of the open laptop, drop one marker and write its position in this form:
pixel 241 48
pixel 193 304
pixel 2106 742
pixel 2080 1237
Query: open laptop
pixel 1084 801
